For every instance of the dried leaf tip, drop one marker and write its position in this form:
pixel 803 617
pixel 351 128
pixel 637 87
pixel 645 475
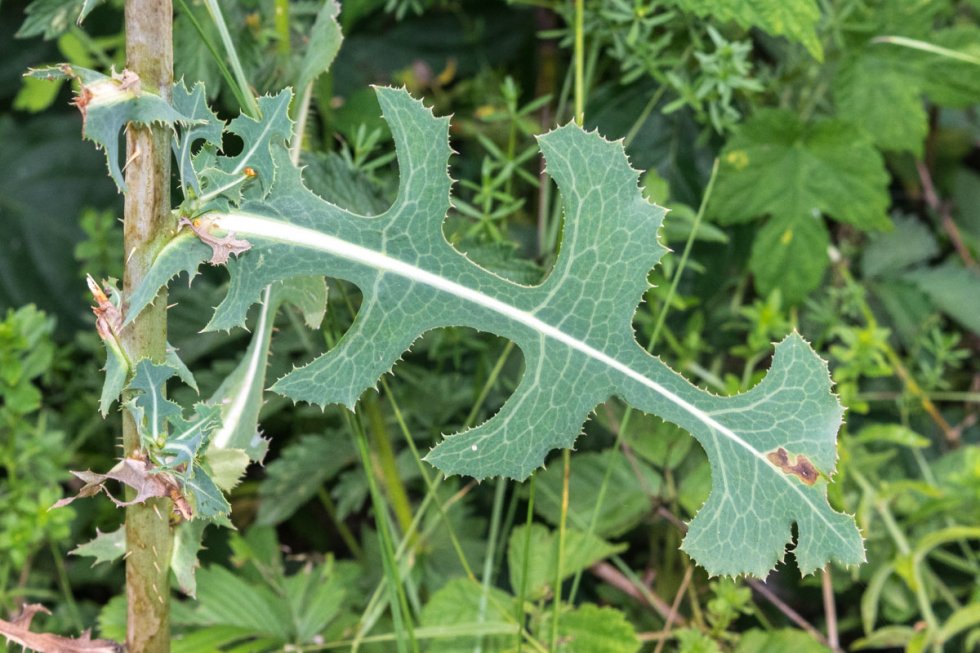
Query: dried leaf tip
pixel 108 317
pixel 18 631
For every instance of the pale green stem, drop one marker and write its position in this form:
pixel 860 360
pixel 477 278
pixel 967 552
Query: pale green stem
pixel 400 613
pixel 236 65
pixel 522 594
pixel 928 47
pixel 495 513
pixel 580 62
pixel 566 455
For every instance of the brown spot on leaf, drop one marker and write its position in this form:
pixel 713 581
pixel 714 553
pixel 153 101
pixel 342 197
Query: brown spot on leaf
pixel 801 468
pixel 221 247
pixel 17 630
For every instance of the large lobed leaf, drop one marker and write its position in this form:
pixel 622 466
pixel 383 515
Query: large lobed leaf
pixel 772 449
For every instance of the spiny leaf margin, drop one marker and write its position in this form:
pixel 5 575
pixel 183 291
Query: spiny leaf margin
pixel 575 330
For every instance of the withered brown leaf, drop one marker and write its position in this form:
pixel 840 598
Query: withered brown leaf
pixel 221 248
pixel 18 631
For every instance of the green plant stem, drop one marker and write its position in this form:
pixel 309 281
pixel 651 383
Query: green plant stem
pixel 222 67
pixel 345 533
pixel 566 456
pixel 236 65
pixel 393 484
pixel 580 62
pixel 281 19
pixel 65 584
pixel 147 221
pixel 522 594
pixel 401 615
pixel 495 514
pixel 644 115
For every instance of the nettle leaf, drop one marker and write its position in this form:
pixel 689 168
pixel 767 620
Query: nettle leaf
pixel 778 165
pixel 795 19
pixel 771 449
pixel 582 550
pixel 795 172
pixel 878 90
pixel 108 104
pixel 593 629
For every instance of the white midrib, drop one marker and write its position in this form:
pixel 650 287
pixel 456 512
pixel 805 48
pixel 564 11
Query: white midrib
pixel 248 224
pixel 239 402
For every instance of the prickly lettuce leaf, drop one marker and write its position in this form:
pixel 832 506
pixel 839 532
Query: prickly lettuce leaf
pixel 108 104
pixel 772 450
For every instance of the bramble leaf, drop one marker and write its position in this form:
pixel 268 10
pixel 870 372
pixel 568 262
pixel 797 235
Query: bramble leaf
pixel 878 90
pixel 777 165
pixel 795 19
pixel 772 449
pixel 796 173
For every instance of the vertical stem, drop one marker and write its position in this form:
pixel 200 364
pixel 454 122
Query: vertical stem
pixel 149 53
pixel 830 609
pixel 580 61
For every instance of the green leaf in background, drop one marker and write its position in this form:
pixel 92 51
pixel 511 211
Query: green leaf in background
pixel 954 288
pixel 876 89
pixel 226 599
pixel 795 19
pixel 593 629
pixel 296 475
pixel 581 551
pixel 325 40
pixel 106 547
pixel 779 641
pixel 796 173
pixel 574 330
pixel 911 242
pixel 453 617
pixel 622 510
pixel 951 82
pixel 50 18
pixel 777 165
pixel 790 254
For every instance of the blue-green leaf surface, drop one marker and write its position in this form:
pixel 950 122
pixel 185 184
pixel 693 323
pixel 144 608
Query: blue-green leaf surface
pixel 108 104
pixel 772 449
